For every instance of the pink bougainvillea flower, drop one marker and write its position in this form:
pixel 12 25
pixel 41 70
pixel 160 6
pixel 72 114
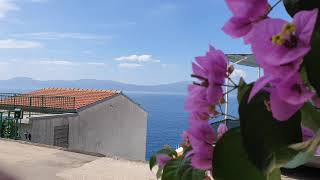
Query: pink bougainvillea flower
pixel 274 74
pixel 185 140
pixel 293 90
pixel 277 42
pixel 197 100
pixel 201 137
pixel 316 101
pixel 288 96
pixel 202 156
pixel 200 131
pixel 279 48
pixel 308 134
pixel 281 110
pixel 211 71
pixel 245 14
pixel 237 27
pixel 162 159
pixel 222 129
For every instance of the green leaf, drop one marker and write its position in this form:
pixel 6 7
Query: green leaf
pixel 180 169
pixel 306 151
pixel 276 174
pixel 159 172
pixel 310 116
pixel 311 61
pixel 231 160
pixel 243 87
pixel 294 6
pixel 192 174
pixel 170 170
pixel 168 151
pixel 152 161
pixel 265 139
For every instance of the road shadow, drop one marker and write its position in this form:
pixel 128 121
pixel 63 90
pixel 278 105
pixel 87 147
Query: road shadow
pixel 302 172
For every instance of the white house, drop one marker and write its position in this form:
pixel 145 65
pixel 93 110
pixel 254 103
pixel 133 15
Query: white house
pixel 99 121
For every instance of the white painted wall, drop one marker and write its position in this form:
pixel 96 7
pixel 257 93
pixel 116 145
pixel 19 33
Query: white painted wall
pixel 113 127
pixel 43 127
pixel 116 126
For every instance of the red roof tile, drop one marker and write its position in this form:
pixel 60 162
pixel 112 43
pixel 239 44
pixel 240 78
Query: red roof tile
pixel 83 97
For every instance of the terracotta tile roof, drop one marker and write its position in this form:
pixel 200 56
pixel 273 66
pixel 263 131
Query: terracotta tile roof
pixel 58 98
pixel 82 97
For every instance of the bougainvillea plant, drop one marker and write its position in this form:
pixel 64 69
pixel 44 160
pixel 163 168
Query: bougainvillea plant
pixel 278 114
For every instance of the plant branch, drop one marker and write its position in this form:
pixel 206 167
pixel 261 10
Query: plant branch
pixel 278 2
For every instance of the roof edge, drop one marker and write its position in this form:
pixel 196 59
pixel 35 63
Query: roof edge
pixel 131 100
pixel 98 102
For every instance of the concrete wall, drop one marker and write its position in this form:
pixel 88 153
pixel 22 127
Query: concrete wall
pixel 43 127
pixel 116 126
pixel 25 128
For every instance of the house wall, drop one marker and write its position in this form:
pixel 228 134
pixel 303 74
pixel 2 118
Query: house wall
pixel 25 128
pixel 42 130
pixel 116 126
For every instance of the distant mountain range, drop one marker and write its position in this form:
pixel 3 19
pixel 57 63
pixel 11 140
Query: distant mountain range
pixel 23 84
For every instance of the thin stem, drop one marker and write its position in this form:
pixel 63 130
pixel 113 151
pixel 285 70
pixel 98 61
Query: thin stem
pixel 221 111
pixel 223 114
pixel 198 77
pixel 230 91
pixel 232 86
pixel 273 7
pixel 232 81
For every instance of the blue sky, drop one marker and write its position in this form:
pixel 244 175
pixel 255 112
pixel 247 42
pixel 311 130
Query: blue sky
pixel 132 41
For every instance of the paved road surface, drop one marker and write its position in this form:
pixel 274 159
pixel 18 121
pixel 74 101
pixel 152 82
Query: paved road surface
pixel 30 162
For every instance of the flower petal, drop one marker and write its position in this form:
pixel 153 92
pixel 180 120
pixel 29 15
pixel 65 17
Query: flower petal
pixel 259 84
pixel 305 22
pixel 198 70
pixel 222 129
pixel 293 91
pixel 162 159
pixel 237 27
pixel 281 110
pixel 248 8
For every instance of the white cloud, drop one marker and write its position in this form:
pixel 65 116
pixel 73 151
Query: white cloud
pixel 137 58
pixel 17 44
pixel 58 35
pixel 164 65
pixel 58 62
pixel 238 73
pixel 4 63
pixel 6 6
pixel 39 1
pixel 130 65
pixel 87 52
pixel 48 62
pixel 47 68
pixel 165 8
pixel 96 63
pixel 67 63
pixel 119 25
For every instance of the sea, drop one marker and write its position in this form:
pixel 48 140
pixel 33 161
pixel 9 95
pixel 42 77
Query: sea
pixel 167 118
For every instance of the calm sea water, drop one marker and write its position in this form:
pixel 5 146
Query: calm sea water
pixel 167 118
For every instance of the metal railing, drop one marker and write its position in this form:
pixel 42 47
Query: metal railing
pixel 37 103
